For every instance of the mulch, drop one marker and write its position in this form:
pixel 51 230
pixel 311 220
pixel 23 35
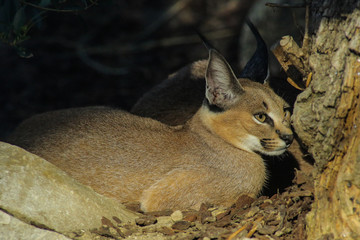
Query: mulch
pixel 281 216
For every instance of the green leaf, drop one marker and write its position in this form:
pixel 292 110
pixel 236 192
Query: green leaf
pixel 19 20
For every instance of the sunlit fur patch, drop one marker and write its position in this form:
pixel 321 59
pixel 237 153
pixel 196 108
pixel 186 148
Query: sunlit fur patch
pixel 241 139
pixel 226 126
pixel 238 125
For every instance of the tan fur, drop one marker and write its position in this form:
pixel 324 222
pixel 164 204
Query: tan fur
pixel 177 98
pixel 211 158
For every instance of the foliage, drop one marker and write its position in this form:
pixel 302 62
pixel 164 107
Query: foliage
pixel 18 17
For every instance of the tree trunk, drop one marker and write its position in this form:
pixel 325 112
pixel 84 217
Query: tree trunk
pixel 327 118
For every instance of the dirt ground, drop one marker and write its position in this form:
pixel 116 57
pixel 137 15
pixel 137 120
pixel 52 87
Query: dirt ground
pixel 113 53
pixel 281 216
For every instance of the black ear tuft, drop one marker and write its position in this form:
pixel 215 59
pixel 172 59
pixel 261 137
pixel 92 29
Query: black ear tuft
pixel 257 68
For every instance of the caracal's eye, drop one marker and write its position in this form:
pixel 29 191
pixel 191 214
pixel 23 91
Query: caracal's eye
pixel 261 117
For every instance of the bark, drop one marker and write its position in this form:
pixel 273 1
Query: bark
pixel 327 118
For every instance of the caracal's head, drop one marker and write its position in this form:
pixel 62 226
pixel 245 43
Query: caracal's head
pixel 244 113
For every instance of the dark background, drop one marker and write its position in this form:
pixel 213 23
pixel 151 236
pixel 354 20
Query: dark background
pixel 115 51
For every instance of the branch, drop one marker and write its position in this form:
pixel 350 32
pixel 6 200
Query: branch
pixel 286 5
pixel 57 10
pixel 177 7
pixel 293 60
pixel 165 42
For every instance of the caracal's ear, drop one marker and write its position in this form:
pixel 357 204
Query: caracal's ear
pixel 222 86
pixel 257 68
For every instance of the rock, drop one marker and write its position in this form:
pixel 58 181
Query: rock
pixel 177 216
pixel 146 220
pixel 164 221
pixel 35 191
pixel 13 229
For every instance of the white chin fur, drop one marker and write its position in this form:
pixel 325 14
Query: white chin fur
pixel 274 153
pixel 252 144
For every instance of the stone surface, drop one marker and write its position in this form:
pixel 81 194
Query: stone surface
pixel 177 216
pixel 35 191
pixel 14 229
pixel 164 221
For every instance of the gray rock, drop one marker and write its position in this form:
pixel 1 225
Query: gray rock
pixel 14 229
pixel 37 192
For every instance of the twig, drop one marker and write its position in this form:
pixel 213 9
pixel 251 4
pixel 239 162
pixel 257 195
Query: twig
pixel 234 234
pixel 84 52
pixel 57 10
pixel 145 46
pixel 306 40
pixel 166 42
pixel 285 5
pixel 296 23
pixel 255 226
pixel 251 232
pixel 292 59
pixel 81 52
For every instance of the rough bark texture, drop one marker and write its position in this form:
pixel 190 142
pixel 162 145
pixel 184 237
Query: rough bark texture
pixel 327 119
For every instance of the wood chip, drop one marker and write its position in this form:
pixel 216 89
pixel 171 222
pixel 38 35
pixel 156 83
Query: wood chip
pixel 181 225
